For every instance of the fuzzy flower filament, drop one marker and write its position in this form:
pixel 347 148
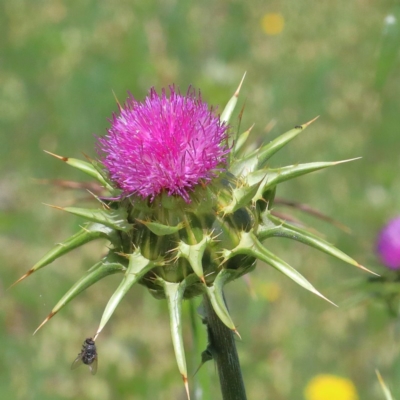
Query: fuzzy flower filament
pixel 165 143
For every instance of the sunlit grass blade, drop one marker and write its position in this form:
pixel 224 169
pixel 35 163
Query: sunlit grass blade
pixel 389 47
pixel 385 389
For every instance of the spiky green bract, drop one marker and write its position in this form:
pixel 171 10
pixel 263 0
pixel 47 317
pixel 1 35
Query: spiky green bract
pixel 174 294
pixel 181 247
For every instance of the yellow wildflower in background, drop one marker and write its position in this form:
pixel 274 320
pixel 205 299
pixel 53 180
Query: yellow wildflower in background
pixel 272 23
pixel 330 387
pixel 270 291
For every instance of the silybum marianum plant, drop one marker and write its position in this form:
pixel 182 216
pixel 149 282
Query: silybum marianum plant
pixel 184 207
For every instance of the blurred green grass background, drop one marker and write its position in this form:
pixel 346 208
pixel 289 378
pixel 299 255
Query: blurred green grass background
pixel 60 63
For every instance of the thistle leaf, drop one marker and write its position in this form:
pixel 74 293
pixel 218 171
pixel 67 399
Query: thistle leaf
pixel 96 273
pixel 268 150
pixel 99 167
pixel 215 294
pixel 83 166
pixel 241 141
pixel 116 219
pixel 194 254
pixel 256 159
pixel 90 232
pixel 137 268
pixel 250 245
pixel 229 108
pixel 241 196
pixel 161 229
pixel 273 177
pixel 206 355
pixel 275 227
pixel 245 165
pixel 174 295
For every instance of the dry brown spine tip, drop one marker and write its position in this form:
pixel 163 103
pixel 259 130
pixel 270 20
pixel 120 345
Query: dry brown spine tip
pixel 87 157
pixel 237 333
pixel 22 278
pixel 56 207
pixel 367 270
pixel 56 156
pixel 310 122
pixel 185 382
pixel 47 318
pixel 240 85
pixel 97 334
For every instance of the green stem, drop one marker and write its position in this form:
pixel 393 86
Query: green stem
pixel 223 346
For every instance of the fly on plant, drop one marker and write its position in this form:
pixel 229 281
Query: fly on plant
pixel 87 356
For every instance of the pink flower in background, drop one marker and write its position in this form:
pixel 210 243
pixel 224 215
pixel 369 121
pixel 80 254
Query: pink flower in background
pixel 165 143
pixel 388 246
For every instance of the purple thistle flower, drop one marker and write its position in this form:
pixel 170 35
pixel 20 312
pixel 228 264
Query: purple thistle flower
pixel 165 143
pixel 388 245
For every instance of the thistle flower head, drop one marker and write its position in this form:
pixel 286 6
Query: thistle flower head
pixel 186 209
pixel 165 143
pixel 388 245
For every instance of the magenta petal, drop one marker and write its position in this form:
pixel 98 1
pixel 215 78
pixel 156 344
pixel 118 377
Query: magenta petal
pixel 388 245
pixel 165 143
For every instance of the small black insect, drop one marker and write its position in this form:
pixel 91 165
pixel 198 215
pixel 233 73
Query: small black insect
pixel 298 127
pixel 87 356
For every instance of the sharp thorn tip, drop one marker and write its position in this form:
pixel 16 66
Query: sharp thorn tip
pixel 97 334
pixel 237 333
pixel 240 85
pixel 310 122
pixel 56 156
pixel 22 278
pixel 367 270
pixel 52 206
pixel 46 320
pixel 185 382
